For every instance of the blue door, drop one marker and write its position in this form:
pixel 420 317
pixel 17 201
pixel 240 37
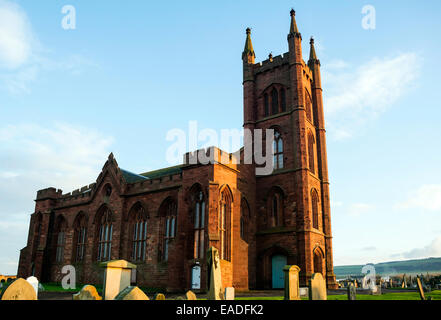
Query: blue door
pixel 278 263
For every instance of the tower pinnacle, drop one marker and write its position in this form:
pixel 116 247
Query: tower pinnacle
pixel 293 31
pixel 312 55
pixel 248 54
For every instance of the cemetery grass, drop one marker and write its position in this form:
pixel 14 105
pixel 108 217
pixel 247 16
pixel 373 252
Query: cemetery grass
pixel 436 295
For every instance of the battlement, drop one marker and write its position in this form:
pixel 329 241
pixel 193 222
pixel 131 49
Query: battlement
pixel 49 193
pixel 269 64
pixel 210 155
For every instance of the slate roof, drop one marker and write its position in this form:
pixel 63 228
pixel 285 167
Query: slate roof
pixel 162 172
pixel 131 177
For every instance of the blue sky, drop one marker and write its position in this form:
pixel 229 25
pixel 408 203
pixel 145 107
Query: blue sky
pixel 132 71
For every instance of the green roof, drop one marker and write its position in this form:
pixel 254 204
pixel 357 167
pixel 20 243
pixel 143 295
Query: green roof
pixel 131 177
pixel 162 172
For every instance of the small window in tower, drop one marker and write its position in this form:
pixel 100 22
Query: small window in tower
pixel 266 105
pixel 283 100
pixel 278 151
pixel 274 102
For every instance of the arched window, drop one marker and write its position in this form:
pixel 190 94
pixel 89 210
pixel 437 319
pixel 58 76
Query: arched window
pixel 275 207
pixel 315 209
pixel 138 223
pixel 105 231
pixel 60 236
pixel 311 144
pixel 274 101
pixel 266 105
pixel 225 225
pixel 244 219
pixel 278 150
pixel 283 99
pixel 168 213
pixel 80 238
pixel 308 106
pixel 199 225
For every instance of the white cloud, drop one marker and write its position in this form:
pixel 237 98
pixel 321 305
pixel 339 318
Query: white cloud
pixel 352 97
pixel 17 41
pixel 23 57
pixel 426 197
pixel 431 250
pixel 34 157
pixel 358 209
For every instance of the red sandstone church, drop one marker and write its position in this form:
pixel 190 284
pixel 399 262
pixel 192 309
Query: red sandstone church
pixel 164 221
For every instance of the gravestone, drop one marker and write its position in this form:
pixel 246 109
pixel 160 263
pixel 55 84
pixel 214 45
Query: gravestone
pixel 352 292
pixel 88 292
pixel 20 289
pixel 40 287
pixel 317 287
pixel 131 293
pixel 159 296
pixel 304 292
pixel 117 276
pixel 420 289
pixel 229 293
pixel 215 291
pixel 34 283
pixel 190 295
pixel 292 291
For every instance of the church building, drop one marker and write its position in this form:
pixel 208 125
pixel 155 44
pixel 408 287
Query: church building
pixel 164 221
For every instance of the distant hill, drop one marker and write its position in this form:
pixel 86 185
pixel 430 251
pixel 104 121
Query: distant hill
pixel 410 267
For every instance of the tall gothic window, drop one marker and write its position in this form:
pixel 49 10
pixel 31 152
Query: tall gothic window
pixel 80 237
pixel 274 101
pixel 278 151
pixel 311 144
pixel 199 226
pixel 169 225
pixel 105 231
pixel 275 207
pixel 225 226
pixel 138 219
pixel 315 209
pixel 283 99
pixel 37 234
pixel 60 239
pixel 266 104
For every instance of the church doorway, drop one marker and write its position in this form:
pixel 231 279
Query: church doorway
pixel 196 277
pixel 278 262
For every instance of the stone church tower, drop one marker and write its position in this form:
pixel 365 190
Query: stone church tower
pixel 285 94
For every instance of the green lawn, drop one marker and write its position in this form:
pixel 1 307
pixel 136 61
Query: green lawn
pixel 435 295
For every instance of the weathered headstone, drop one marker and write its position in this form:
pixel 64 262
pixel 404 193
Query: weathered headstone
pixel 352 292
pixel 117 276
pixel 292 291
pixel 159 296
pixel 34 283
pixel 317 287
pixel 229 293
pixel 304 292
pixel 20 289
pixel 420 289
pixel 190 295
pixel 88 292
pixel 215 291
pixel 132 293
